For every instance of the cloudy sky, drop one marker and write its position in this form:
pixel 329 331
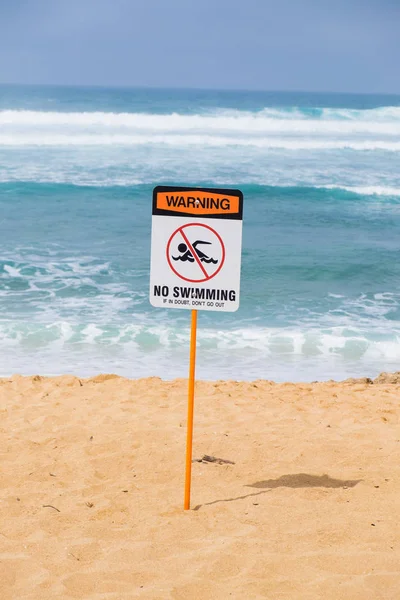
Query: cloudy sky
pixel 326 45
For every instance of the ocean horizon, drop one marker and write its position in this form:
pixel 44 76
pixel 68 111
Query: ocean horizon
pixel 320 174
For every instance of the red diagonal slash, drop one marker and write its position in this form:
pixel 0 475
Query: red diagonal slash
pixel 193 252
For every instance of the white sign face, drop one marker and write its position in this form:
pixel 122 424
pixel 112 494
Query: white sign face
pixel 196 246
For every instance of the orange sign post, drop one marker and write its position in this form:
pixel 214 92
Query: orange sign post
pixel 189 434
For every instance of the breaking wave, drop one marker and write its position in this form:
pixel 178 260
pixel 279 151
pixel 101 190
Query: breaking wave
pixel 377 129
pixel 140 350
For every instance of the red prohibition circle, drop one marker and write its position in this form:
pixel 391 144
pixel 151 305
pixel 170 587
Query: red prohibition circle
pixel 222 258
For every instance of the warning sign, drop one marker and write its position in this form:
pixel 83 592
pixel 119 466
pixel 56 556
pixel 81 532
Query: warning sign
pixel 196 248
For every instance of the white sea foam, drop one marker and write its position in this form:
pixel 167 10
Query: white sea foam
pixel 383 113
pixel 243 353
pixel 312 341
pixel 269 128
pixel 202 141
pixel 11 271
pixel 219 118
pixel 111 329
pixel 364 190
pixel 348 149
pixel 59 174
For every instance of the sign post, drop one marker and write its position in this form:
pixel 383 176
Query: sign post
pixel 196 246
pixel 189 434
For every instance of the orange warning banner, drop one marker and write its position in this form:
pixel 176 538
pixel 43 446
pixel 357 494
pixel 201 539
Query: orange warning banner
pixel 196 202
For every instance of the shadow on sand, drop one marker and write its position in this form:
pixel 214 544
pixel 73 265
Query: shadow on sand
pixel 304 480
pixel 297 480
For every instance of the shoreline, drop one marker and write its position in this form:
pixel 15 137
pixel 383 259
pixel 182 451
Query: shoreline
pixel 388 377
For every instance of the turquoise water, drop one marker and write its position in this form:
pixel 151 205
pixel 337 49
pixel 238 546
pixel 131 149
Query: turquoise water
pixel 320 274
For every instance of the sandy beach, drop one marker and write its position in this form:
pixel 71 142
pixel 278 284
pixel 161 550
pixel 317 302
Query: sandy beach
pixel 92 481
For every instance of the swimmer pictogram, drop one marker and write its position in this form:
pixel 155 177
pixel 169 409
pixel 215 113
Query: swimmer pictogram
pixel 187 255
pixel 186 258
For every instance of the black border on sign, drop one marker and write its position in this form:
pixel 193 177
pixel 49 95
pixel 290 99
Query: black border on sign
pixel 172 213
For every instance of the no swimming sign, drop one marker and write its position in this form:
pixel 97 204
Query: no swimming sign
pixel 196 247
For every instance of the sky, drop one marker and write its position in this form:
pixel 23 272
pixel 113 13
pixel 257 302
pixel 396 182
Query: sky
pixel 310 45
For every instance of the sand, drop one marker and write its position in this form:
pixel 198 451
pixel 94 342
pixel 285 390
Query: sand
pixel 92 480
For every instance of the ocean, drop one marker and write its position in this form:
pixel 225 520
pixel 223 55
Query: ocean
pixel 320 174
